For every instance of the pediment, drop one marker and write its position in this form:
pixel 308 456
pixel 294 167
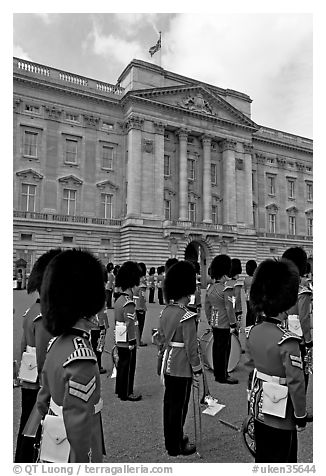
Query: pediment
pixel 196 99
pixel 70 179
pixel 107 184
pixel 292 209
pixel 29 173
pixel 272 207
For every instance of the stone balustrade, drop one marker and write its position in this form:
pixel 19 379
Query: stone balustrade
pixel 56 217
pixel 64 76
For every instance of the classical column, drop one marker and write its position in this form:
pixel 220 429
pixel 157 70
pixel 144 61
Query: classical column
pixel 158 195
pixel 183 181
pixel 134 126
pixel 248 150
pixel 229 182
pixel 207 181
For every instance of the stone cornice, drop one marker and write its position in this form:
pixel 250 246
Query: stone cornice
pixel 283 145
pixel 70 178
pixel 107 184
pixel 29 172
pixel 182 111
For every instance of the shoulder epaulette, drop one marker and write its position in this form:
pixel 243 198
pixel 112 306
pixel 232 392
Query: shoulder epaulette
pixel 128 301
pixel 188 315
pixel 247 330
pixel 287 335
pixel 37 317
pixel 51 341
pixel 83 353
pixel 228 286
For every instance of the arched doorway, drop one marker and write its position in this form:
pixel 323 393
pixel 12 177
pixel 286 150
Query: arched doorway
pixel 197 252
pixel 20 273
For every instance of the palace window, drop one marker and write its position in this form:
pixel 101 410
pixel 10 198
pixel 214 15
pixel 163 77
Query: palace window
pixel 32 109
pixel 213 174
pixel 291 188
pixel 107 157
pixel 26 236
pixel 28 197
pixel 167 209
pixel 271 185
pixel 106 205
pixel 192 211
pixel 309 226
pixel 30 143
pixel 69 201
pixel 107 126
pixel 214 214
pixel 167 166
pixel 67 239
pixel 72 117
pixel 309 191
pixel 71 151
pixel 292 225
pixel 191 169
pixel 272 223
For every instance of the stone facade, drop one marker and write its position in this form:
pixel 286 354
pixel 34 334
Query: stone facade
pixel 155 166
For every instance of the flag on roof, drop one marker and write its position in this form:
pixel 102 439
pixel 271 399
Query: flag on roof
pixel 155 48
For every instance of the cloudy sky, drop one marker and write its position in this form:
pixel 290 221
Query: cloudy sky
pixel 265 55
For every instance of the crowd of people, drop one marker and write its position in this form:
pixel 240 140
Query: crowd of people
pixel 64 333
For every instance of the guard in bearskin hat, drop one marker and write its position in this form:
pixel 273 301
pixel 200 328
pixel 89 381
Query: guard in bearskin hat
pixel 33 346
pixel 178 357
pixel 298 316
pixel 220 314
pixel 72 293
pixel 126 330
pixel 277 398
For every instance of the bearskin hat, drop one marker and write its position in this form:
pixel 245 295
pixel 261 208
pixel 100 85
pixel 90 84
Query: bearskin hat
pixel 151 271
pixel 36 276
pixel 142 268
pixel 109 267
pixel 236 267
pixel 251 265
pixel 220 266
pixel 298 256
pixel 274 287
pixel 170 262
pixel 180 281
pixel 128 275
pixel 72 288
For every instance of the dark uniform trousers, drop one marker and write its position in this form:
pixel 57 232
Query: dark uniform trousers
pixel 274 445
pixel 176 399
pixel 125 372
pixel 221 352
pixel 151 295
pixel 141 321
pixel 25 452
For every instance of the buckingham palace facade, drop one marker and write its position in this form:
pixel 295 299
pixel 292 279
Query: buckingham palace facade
pixel 157 165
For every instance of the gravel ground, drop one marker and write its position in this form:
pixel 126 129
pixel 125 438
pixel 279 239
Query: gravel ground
pixel 133 430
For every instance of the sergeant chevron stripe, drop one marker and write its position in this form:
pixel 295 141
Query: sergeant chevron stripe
pixel 82 353
pixel 81 391
pixel 188 315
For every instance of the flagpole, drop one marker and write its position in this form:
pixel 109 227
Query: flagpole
pixel 161 49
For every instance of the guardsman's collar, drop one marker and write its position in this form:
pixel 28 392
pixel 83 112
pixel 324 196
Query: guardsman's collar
pixel 273 320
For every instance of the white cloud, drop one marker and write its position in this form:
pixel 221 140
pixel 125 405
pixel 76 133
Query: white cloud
pixel 19 52
pixel 268 57
pixel 46 17
pixel 110 45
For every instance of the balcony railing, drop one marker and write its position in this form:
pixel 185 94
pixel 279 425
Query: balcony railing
pixel 284 236
pixel 202 226
pixel 56 217
pixel 66 77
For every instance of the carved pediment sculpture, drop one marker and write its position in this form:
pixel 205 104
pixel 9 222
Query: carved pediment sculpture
pixel 70 179
pixel 196 103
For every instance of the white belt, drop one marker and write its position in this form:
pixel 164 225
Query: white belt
pixel 57 409
pixel 271 378
pixel 176 344
pixel 30 349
